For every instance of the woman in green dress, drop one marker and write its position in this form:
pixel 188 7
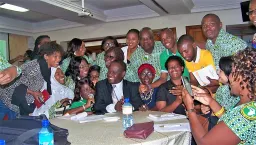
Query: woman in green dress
pixel 76 47
pixel 84 97
pixel 237 125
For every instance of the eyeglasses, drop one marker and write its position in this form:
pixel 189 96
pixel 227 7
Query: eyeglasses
pixel 109 44
pixel 149 74
pixel 84 66
pixel 252 12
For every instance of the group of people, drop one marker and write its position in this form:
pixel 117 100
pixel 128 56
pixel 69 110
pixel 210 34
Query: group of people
pixel 147 72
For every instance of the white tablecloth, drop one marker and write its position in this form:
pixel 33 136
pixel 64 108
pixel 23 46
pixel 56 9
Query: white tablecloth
pixel 108 133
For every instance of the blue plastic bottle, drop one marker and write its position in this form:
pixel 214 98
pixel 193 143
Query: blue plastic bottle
pixel 127 114
pixel 46 134
pixel 2 142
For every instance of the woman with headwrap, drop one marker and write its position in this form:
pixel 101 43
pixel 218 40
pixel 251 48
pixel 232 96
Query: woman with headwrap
pixel 59 93
pixel 146 73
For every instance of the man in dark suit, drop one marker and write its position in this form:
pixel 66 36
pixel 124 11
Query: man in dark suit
pixel 111 92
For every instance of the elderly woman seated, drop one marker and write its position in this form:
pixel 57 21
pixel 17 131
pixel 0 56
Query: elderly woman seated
pixel 169 94
pixel 60 93
pixel 146 73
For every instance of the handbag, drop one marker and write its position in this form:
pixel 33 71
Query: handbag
pixel 139 130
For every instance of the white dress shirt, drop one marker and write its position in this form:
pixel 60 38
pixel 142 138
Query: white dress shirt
pixel 116 96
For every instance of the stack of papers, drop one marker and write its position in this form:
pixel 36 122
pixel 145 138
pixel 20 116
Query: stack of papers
pixel 165 117
pixel 202 74
pixel 172 127
pixel 83 117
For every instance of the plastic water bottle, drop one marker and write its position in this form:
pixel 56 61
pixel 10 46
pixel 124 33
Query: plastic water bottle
pixel 46 134
pixel 127 114
pixel 2 142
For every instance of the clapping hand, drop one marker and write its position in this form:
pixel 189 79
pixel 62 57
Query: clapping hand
pixel 143 89
pixel 177 91
pixel 201 95
pixel 119 104
pixel 187 99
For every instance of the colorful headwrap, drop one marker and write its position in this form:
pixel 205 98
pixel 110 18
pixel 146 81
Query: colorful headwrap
pixel 148 66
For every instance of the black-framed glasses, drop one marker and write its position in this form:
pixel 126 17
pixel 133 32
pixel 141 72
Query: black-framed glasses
pixel 252 12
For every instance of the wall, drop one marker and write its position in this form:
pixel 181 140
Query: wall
pixel 228 17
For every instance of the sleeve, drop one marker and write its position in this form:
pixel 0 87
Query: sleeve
pixel 161 94
pixel 162 62
pixel 239 44
pixel 241 122
pixel 111 108
pixel 100 105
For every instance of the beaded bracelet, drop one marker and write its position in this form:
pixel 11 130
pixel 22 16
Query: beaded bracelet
pixel 221 111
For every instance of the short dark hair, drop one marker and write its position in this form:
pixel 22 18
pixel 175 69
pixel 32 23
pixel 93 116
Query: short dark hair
pixel 216 17
pixel 175 58
pixel 37 42
pixel 147 29
pixel 94 68
pixel 121 63
pixel 78 87
pixel 225 64
pixel 118 52
pixel 49 48
pixel 134 31
pixel 185 37
pixel 73 68
pixel 109 38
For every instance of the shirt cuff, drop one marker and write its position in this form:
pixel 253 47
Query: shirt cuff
pixel 111 108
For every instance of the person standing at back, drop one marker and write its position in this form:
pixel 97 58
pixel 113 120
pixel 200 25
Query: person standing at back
pixel 219 42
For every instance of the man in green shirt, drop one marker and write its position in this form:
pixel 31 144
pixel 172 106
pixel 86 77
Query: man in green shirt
pixel 169 42
pixel 219 42
pixel 148 52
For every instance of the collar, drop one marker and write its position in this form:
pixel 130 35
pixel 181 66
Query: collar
pixel 221 34
pixel 118 85
pixel 198 52
pixel 169 52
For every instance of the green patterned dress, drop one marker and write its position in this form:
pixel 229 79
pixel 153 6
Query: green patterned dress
pixel 139 57
pixel 103 69
pixel 5 64
pixel 225 45
pixel 242 121
pixel 224 98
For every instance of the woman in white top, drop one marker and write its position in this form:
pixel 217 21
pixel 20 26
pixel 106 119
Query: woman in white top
pixel 59 92
pixel 132 41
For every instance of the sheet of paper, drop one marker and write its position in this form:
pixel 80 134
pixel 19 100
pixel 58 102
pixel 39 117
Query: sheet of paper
pixel 165 117
pixel 202 74
pixel 172 127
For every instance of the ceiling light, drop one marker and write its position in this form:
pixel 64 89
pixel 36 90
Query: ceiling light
pixel 13 7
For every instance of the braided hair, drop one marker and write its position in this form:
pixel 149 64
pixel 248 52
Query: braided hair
pixel 245 66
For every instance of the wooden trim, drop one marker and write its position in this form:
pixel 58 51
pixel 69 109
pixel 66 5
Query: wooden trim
pixel 192 27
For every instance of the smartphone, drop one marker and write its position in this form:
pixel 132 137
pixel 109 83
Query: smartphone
pixel 187 85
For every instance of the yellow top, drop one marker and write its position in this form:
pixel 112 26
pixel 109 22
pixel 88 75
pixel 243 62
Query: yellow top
pixel 203 59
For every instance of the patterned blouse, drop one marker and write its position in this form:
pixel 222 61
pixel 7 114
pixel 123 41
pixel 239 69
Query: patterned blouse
pixel 103 69
pixel 65 63
pixel 139 57
pixel 5 64
pixel 225 45
pixel 31 77
pixel 224 98
pixel 242 121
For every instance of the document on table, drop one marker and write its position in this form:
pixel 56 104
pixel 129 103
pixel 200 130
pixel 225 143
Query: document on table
pixel 83 117
pixel 172 127
pixel 202 74
pixel 165 117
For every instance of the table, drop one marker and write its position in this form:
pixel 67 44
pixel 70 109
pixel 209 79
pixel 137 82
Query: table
pixel 108 133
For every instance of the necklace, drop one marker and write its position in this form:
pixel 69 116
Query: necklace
pixel 147 96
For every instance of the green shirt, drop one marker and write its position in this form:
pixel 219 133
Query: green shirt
pixel 225 45
pixel 242 121
pixel 163 58
pixel 139 57
pixel 80 104
pixel 224 98
pixel 66 62
pixel 5 64
pixel 101 62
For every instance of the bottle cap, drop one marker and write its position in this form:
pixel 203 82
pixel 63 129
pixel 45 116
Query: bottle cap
pixel 126 100
pixel 45 123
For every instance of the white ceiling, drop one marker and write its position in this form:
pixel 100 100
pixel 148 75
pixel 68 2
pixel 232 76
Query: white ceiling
pixel 45 15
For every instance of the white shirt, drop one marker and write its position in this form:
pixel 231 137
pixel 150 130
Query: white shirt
pixel 125 50
pixel 116 96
